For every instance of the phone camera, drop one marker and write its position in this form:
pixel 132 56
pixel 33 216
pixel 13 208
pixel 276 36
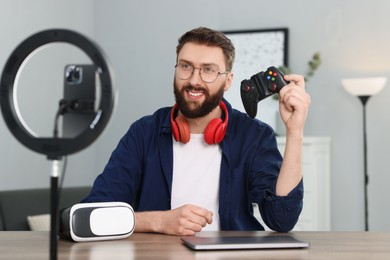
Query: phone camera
pixel 74 74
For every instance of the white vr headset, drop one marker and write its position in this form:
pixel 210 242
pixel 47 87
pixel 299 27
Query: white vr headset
pixel 97 221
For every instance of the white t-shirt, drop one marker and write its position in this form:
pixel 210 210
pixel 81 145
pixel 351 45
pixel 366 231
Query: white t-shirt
pixel 196 170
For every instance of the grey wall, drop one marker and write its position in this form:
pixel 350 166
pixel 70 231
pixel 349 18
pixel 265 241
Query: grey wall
pixel 140 38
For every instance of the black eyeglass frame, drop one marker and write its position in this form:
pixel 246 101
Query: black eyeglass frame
pixel 200 74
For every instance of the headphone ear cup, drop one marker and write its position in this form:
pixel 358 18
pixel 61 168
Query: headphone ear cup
pixel 175 131
pixel 183 129
pixel 212 131
pixel 220 133
pixel 216 129
pixel 175 128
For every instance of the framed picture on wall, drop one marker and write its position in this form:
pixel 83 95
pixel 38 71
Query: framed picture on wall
pixel 256 50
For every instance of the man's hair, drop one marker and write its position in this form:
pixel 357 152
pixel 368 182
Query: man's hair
pixel 209 37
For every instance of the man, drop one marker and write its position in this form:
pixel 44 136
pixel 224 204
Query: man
pixel 201 164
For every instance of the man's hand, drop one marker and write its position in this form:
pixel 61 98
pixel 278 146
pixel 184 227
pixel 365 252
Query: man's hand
pixel 294 104
pixel 184 221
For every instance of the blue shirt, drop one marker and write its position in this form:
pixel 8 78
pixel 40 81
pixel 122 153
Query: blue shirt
pixel 139 172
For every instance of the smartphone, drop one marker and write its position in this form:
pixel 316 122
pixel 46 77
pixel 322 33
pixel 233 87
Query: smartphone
pixel 80 88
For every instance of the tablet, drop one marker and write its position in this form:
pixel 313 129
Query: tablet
pixel 243 242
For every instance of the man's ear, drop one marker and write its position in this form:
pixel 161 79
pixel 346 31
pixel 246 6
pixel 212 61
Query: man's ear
pixel 229 81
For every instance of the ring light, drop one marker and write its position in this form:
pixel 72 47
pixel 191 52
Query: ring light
pixel 54 148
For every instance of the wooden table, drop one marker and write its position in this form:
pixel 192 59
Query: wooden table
pixel 323 245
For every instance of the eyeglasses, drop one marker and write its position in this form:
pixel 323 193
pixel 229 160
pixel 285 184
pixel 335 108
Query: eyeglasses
pixel 208 74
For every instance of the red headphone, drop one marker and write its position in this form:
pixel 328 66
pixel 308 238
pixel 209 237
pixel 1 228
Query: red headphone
pixel 214 133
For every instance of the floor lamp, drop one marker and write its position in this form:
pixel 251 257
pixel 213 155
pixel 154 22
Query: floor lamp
pixel 364 88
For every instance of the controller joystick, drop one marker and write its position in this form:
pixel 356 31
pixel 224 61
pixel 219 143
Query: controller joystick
pixel 260 86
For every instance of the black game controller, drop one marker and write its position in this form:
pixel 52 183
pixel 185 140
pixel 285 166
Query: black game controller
pixel 260 86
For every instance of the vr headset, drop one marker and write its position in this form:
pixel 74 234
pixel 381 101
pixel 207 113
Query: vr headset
pixel 97 221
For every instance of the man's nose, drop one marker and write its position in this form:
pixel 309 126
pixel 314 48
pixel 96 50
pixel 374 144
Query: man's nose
pixel 195 77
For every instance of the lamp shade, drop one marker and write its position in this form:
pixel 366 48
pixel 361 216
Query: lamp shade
pixel 364 86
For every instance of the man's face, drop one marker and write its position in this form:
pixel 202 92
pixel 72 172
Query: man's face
pixel 194 97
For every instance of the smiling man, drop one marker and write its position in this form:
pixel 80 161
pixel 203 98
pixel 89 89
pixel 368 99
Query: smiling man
pixel 200 164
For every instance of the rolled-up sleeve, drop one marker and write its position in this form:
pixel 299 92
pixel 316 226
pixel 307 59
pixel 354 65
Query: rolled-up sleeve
pixel 281 213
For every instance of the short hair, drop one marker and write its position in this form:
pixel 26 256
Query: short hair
pixel 209 37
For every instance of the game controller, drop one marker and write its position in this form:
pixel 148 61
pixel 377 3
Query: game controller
pixel 260 86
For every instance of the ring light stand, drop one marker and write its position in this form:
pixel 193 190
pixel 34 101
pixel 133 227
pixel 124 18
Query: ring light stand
pixel 54 148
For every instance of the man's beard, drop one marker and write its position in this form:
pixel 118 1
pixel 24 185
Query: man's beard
pixel 201 110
